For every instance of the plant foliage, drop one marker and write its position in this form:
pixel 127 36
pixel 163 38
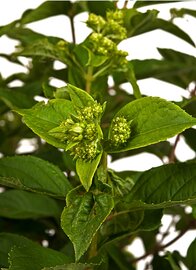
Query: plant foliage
pixel 62 192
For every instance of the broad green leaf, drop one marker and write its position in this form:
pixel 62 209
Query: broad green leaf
pixel 190 259
pixel 83 216
pixel 43 117
pixel 71 266
pixel 138 23
pixel 86 170
pixel 163 186
pixel 33 174
pixel 45 10
pixel 9 240
pixel 19 204
pixel 35 257
pixel 14 99
pixel 79 97
pixel 153 120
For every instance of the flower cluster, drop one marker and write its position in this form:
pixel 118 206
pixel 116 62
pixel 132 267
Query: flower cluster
pixel 121 131
pixel 81 133
pixel 107 33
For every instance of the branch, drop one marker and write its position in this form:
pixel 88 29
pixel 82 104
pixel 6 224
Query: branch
pixel 172 156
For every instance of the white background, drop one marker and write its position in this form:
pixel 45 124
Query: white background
pixel 139 47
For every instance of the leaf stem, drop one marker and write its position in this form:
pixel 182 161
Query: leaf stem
pixel 89 78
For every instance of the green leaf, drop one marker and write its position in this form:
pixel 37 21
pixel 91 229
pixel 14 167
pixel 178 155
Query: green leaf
pixel 46 49
pixel 86 170
pixel 163 186
pixel 19 204
pixel 190 135
pixel 83 216
pixel 138 23
pixel 71 266
pixel 79 97
pixel 183 11
pixel 33 174
pixel 14 99
pixel 43 117
pixel 153 120
pixel 35 257
pixel 45 10
pixel 190 259
pixel 9 240
pixel 96 8
pixel 23 251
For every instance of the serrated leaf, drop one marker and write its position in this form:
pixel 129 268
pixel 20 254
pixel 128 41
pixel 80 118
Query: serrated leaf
pixel 43 117
pixel 33 174
pixel 27 251
pixel 79 97
pixel 86 170
pixel 83 216
pixel 153 120
pixel 19 204
pixel 71 266
pixel 9 240
pixel 40 257
pixel 163 186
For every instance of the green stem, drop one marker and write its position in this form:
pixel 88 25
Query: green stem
pixel 89 79
pixel 73 29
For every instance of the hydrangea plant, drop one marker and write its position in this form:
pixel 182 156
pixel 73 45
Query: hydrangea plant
pixel 63 192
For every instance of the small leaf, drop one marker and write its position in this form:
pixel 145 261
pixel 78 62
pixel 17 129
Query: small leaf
pixel 153 120
pixel 83 216
pixel 33 174
pixel 86 170
pixel 19 204
pixel 163 186
pixel 43 117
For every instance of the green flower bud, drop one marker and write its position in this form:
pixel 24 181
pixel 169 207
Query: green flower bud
pixel 121 131
pixel 96 22
pixel 115 15
pixel 85 150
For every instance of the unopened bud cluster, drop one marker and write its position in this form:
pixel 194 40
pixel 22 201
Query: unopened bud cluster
pixel 80 133
pixel 120 132
pixel 107 33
